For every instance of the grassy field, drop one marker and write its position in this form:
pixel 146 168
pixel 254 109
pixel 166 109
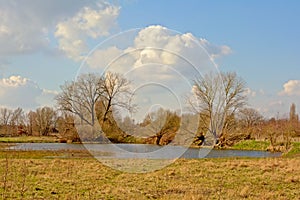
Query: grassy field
pixel 252 145
pixel 295 150
pixel 73 175
pixel 29 139
pixel 263 145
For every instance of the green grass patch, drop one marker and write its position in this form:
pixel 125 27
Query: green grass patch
pixel 295 150
pixel 251 145
pixel 29 139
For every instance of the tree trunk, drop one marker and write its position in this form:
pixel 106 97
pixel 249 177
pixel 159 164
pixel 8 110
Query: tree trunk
pixel 158 139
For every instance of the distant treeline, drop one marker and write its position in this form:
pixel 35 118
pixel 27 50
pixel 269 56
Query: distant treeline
pixel 87 110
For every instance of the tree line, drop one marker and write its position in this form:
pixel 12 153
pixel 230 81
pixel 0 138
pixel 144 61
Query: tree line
pixel 84 110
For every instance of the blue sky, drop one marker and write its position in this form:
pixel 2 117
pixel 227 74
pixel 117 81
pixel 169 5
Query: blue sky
pixel 263 37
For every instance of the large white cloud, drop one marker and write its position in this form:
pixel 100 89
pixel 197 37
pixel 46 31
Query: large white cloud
pixel 291 88
pixel 159 62
pixel 17 91
pixel 88 22
pixel 27 26
pixel 185 53
pixel 175 47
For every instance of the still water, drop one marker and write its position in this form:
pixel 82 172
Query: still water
pixel 144 150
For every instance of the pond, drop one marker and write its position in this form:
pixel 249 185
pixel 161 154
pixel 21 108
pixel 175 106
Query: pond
pixel 144 151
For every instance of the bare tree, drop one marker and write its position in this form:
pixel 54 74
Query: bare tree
pixel 17 117
pixel 158 119
pixel 66 127
pixel 249 117
pixel 159 124
pixel 92 98
pixel 11 117
pixel 45 120
pixel 217 98
pixel 79 97
pixel 127 124
pixel 115 94
pixel 30 122
pixel 5 116
pixel 5 120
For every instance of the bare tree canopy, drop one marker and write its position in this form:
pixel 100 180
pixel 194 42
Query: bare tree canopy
pixel 161 124
pixel 5 116
pixel 81 96
pixel 216 98
pixel 115 93
pixel 17 117
pixel 11 117
pixel 249 117
pixel 45 119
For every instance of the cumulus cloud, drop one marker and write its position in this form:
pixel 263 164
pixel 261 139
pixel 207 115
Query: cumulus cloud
pixel 160 62
pixel 175 47
pixel 272 104
pixel 155 46
pixel 88 22
pixel 27 26
pixel 291 88
pixel 19 35
pixel 17 91
pixel 215 51
pixel 102 58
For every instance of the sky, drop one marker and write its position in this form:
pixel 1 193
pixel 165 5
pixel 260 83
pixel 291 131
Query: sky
pixel 45 43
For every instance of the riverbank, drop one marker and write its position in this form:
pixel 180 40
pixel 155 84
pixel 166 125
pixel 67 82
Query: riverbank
pixel 46 174
pixel 263 146
pixel 30 139
pixel 251 145
pixel 242 145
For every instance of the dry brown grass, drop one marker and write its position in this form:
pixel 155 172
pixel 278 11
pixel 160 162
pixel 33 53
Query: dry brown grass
pixel 27 178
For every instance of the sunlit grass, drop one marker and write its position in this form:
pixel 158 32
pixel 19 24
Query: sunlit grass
pixel 263 145
pixel 39 177
pixel 295 150
pixel 29 139
pixel 251 145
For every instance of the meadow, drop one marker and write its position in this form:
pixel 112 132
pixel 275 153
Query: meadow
pixel 75 175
